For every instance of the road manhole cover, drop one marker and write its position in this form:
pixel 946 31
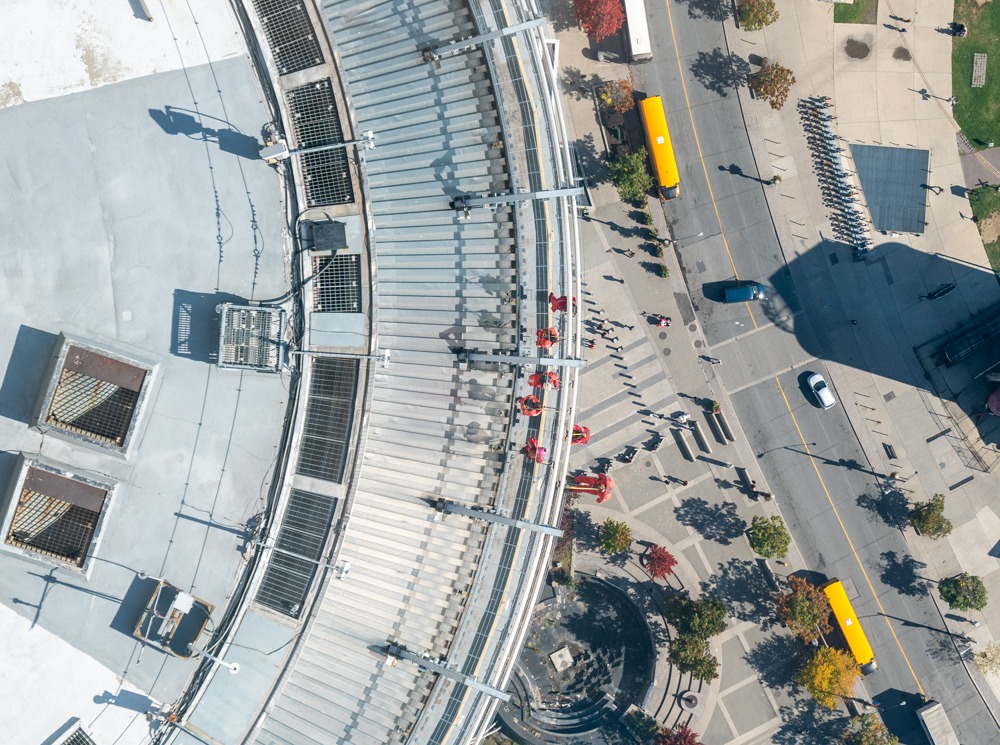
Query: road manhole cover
pixel 663 334
pixel 697 344
pixel 693 327
pixel 666 352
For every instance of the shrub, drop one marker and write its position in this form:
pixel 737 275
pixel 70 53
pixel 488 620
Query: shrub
pixel 629 176
pixel 773 83
pixel 660 562
pixel 868 729
pixel 769 537
pixel 804 609
pixel 616 537
pixel 829 673
pixel 614 120
pixel 617 96
pixel 756 14
pixel 928 518
pixel 691 654
pixel 963 592
pixel 700 618
pixel 599 18
pixel 664 271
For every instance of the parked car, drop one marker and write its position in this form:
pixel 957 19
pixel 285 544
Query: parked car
pixel 821 390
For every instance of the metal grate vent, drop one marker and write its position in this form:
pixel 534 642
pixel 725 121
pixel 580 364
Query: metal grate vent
pixel 303 532
pixel 290 34
pixel 250 337
pixel 315 122
pixel 77 737
pixel 55 516
pixel 96 396
pixel 328 418
pixel 337 287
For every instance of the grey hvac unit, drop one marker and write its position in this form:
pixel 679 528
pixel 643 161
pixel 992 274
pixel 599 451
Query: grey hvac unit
pixel 250 337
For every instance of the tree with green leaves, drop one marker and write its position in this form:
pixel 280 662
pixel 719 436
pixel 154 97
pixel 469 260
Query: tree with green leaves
pixel 928 518
pixel 691 654
pixel 629 176
pixel 963 592
pixel 988 660
pixel 868 729
pixel 804 609
pixel 769 537
pixel 829 673
pixel 756 14
pixel 616 537
pixel 679 734
pixel 699 618
pixel 772 83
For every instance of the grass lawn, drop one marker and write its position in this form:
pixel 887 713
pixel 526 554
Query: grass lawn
pixel 978 109
pixel 985 202
pixel 860 11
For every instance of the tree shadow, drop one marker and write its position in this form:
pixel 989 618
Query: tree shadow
pixel 745 591
pixel 588 534
pixel 903 574
pixel 891 507
pixel 578 85
pixel 720 72
pixel 713 10
pixel 808 723
pixel 591 164
pixel 715 522
pixel 777 660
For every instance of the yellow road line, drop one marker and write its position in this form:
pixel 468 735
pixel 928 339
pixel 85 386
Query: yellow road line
pixel 701 156
pixel 850 543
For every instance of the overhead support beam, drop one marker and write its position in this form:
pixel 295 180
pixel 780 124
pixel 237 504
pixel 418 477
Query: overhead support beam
pixel 443 505
pixel 465 355
pixel 434 55
pixel 466 202
pixel 398 652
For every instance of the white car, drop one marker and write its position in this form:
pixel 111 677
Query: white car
pixel 821 390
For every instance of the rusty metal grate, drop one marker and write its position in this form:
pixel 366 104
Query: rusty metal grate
pixel 337 287
pixel 89 406
pixel 56 517
pixel 290 34
pixel 250 337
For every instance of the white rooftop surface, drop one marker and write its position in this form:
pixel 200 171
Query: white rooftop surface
pixel 56 669
pixel 132 199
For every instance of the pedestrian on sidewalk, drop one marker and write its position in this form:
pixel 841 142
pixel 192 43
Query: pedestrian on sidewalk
pixel 598 312
pixel 630 253
pixel 619 350
pixel 613 340
pixel 630 328
pixel 604 333
pixel 589 343
pixel 854 322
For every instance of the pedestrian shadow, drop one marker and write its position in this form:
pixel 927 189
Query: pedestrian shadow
pixel 720 72
pixel 890 507
pixel 742 586
pixel 714 522
pixel 903 574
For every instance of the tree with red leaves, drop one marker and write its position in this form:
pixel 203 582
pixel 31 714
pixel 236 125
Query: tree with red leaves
pixel 660 562
pixel 599 18
pixel 679 735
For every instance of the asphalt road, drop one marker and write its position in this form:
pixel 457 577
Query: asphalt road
pixel 842 530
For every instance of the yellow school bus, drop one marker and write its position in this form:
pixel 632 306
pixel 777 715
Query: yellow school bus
pixel 847 619
pixel 661 152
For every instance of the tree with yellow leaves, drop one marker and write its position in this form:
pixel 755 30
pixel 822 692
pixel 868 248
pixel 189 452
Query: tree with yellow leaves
pixel 829 673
